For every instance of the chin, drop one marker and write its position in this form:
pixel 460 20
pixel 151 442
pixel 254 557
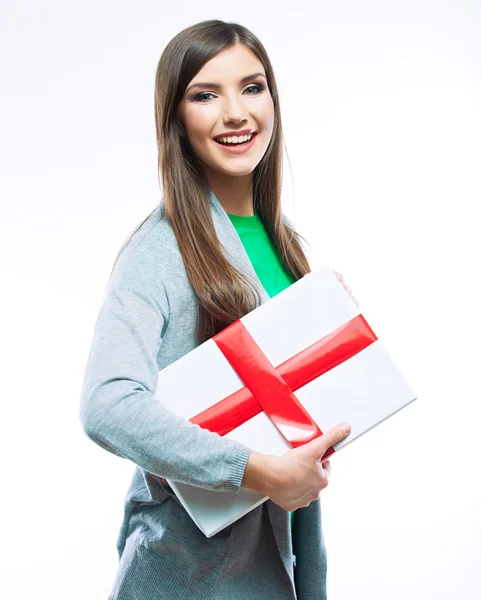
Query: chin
pixel 236 172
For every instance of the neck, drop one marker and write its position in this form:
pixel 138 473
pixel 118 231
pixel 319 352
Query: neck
pixel 234 193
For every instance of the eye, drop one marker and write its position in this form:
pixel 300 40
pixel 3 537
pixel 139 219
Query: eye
pixel 201 95
pixel 260 87
pixel 256 85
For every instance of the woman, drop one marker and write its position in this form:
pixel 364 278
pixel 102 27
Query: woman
pixel 216 247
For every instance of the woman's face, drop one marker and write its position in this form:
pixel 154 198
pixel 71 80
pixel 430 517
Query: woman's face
pixel 231 105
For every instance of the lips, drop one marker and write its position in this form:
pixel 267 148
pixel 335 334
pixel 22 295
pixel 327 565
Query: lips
pixel 227 144
pixel 242 148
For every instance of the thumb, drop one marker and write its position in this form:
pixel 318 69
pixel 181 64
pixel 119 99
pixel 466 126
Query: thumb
pixel 332 436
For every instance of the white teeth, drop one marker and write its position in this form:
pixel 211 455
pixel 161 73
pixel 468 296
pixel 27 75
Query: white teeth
pixel 235 139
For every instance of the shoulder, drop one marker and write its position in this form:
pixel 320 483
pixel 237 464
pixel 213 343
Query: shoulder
pixel 140 266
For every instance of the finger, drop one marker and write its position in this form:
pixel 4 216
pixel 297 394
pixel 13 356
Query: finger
pixel 327 467
pixel 354 299
pixel 332 436
pixel 345 286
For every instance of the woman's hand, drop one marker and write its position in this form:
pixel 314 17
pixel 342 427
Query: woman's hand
pixel 346 287
pixel 297 478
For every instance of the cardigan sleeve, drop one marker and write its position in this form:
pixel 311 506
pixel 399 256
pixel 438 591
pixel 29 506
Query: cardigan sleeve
pixel 119 410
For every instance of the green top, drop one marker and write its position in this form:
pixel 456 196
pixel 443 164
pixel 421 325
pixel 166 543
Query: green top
pixel 263 256
pixel 262 253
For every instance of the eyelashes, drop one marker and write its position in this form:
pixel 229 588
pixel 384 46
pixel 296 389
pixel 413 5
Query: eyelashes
pixel 198 97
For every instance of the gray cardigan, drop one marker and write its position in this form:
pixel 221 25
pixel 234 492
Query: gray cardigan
pixel 145 323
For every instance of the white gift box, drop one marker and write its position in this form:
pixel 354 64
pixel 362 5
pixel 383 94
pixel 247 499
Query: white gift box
pixel 363 389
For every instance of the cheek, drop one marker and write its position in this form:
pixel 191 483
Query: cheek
pixel 266 115
pixel 199 130
pixel 198 125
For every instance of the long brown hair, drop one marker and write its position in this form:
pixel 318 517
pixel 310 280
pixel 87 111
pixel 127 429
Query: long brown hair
pixel 224 293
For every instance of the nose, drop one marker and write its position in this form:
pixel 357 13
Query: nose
pixel 234 110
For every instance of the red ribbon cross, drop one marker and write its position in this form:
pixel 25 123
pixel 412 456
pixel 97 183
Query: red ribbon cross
pixel 271 389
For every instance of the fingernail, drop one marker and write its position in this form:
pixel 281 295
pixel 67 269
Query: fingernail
pixel 346 427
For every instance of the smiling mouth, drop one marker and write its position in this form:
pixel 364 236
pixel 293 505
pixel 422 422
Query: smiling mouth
pixel 236 144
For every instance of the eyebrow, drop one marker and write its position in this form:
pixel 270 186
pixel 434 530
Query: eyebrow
pixel 217 86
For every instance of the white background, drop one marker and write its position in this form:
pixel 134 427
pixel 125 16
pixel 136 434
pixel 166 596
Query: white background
pixel 381 106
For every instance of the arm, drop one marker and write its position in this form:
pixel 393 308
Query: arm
pixel 258 474
pixel 119 410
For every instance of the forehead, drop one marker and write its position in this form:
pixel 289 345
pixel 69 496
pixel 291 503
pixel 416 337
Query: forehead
pixel 231 63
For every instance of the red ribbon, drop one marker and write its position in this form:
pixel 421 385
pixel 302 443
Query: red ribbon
pixel 271 389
